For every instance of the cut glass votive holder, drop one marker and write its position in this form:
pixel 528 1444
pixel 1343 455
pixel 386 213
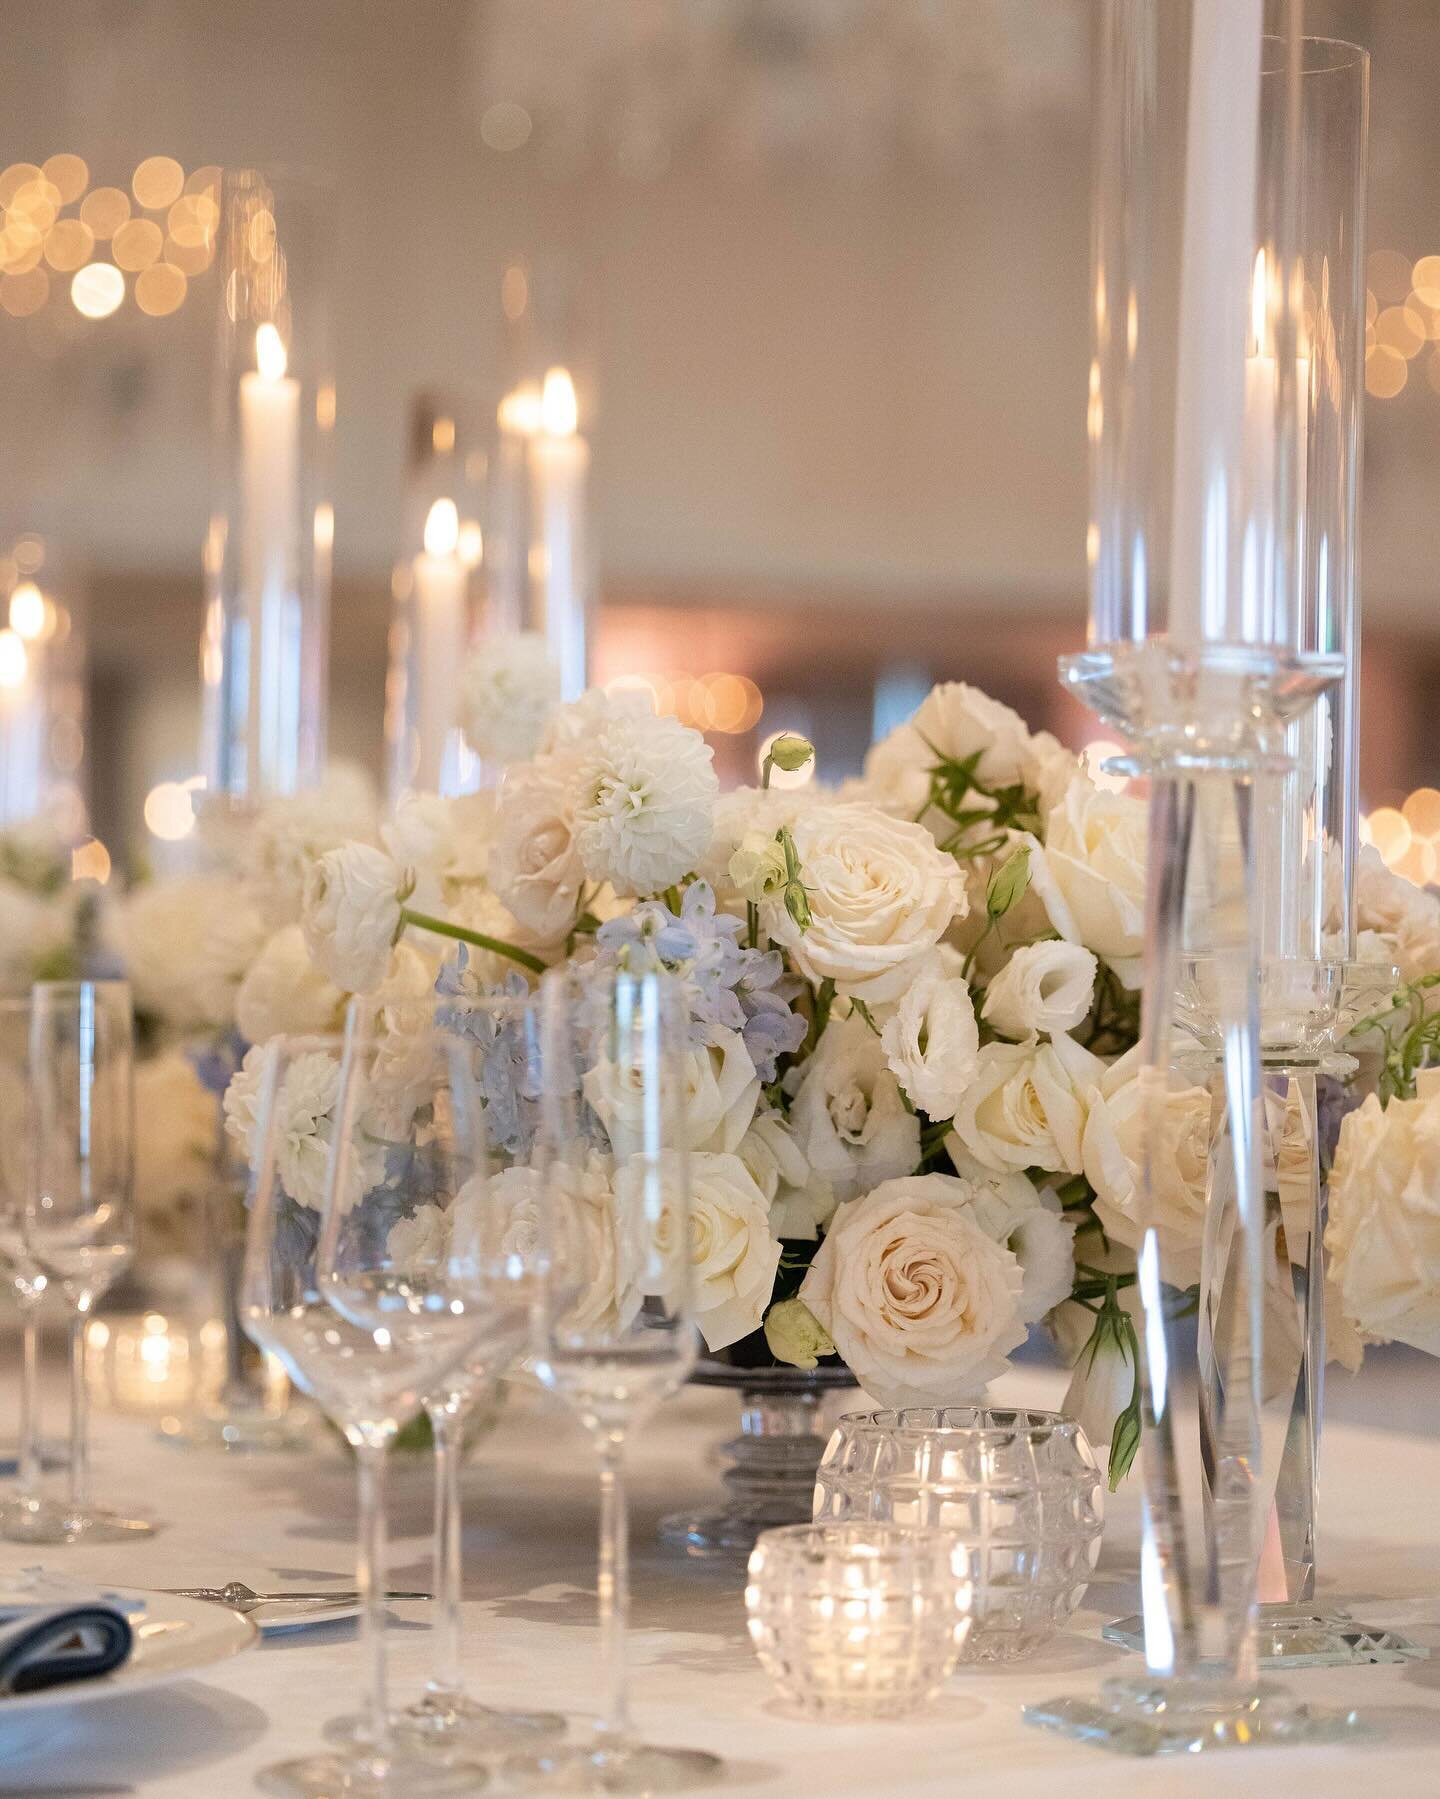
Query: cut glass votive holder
pixel 857 1621
pixel 1020 1490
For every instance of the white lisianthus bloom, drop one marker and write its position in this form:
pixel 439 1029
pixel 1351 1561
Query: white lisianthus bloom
pixel 303 1123
pixel 185 946
pixel 800 1199
pixel 1030 1222
pixel 1026 1105
pixel 721 1090
pixel 931 1040
pixel 757 869
pixel 955 721
pixel 351 914
pixel 750 816
pixel 1095 844
pixel 535 864
pixel 1384 1231
pixel 921 1302
pixel 284 992
pixel 880 894
pixel 849 1116
pixel 1101 1385
pixel 509 689
pixel 1114 1141
pixel 644 802
pixel 731 1252
pixel 1044 989
pixel 289 836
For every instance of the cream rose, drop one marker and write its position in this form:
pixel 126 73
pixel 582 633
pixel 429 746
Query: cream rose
pixel 535 867
pixel 931 1040
pixel 1114 1142
pixel 1095 844
pixel 1044 990
pixel 920 1301
pixel 721 1090
pixel 732 1254
pixel 573 1205
pixel 351 914
pixel 1384 1231
pixel 849 1116
pixel 1026 1105
pixel 880 894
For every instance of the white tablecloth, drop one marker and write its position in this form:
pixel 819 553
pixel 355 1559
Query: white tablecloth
pixel 529 1574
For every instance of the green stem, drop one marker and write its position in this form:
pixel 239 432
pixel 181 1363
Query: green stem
pixel 441 927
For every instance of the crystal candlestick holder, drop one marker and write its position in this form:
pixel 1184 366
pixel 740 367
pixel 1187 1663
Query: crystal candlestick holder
pixel 858 1621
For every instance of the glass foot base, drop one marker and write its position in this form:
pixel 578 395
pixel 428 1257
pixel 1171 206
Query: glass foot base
pixel 1145 1716
pixel 450 1723
pixel 1303 1636
pixel 43 1521
pixel 717 1533
pixel 615 1768
pixel 354 1777
pixel 243 1431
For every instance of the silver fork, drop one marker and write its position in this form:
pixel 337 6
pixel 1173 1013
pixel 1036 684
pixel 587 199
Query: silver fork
pixel 241 1598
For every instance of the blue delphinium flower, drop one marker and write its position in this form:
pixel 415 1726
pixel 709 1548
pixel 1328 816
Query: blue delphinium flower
pixel 508 1075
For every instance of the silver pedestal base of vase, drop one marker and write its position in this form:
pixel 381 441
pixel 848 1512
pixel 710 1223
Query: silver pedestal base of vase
pixel 1303 1635
pixel 1144 1716
pixel 770 1477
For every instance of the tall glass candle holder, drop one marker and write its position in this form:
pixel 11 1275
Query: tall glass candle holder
pixel 539 570
pixel 264 650
pixel 1198 654
pixel 436 592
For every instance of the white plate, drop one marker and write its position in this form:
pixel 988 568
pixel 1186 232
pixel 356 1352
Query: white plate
pixel 279 1618
pixel 173 1639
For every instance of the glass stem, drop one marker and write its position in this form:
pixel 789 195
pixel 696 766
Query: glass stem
pixel 448 1426
pixel 29 1469
pixel 79 1419
pixel 370 1578
pixel 614 1585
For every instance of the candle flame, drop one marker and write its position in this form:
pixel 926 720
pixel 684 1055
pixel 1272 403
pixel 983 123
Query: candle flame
pixel 559 413
pixel 520 411
pixel 442 529
pixel 1259 298
pixel 270 356
pixel 27 611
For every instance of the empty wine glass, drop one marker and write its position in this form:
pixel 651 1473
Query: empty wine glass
pixel 613 1153
pixel 27 1515
pixel 374 1289
pixel 80 1209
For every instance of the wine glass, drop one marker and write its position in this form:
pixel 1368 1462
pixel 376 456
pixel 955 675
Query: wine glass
pixel 613 1153
pixel 79 1227
pixel 374 1289
pixel 495 1051
pixel 27 1511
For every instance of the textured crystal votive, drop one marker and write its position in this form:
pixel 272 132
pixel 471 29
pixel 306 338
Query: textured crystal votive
pixel 1020 1489
pixel 858 1620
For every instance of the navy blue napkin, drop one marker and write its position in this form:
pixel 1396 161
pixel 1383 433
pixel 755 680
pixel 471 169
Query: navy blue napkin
pixel 41 1646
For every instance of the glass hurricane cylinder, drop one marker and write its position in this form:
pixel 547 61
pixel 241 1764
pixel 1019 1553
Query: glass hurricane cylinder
pixel 268 550
pixel 435 589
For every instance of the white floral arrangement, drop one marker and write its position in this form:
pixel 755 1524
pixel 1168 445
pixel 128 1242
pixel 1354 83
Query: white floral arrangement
pixel 913 1101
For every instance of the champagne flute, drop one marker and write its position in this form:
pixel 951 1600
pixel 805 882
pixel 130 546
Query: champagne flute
pixel 80 1206
pixel 27 1511
pixel 373 1299
pixel 613 1154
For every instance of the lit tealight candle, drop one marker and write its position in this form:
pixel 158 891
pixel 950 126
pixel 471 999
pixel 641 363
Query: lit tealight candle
pixel 439 635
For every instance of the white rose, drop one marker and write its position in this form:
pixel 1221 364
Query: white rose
pixel 644 802
pixel 849 1116
pixel 955 721
pixel 351 915
pixel 1032 1225
pixel 1114 1144
pixel 290 834
pixel 800 1199
pixel 931 1040
pixel 1384 1231
pixel 1095 844
pixel 535 864
pixel 881 896
pixel 285 994
pixel 1043 990
pixel 922 1304
pixel 571 1208
pixel 732 1254
pixel 721 1090
pixel 509 688
pixel 1026 1105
